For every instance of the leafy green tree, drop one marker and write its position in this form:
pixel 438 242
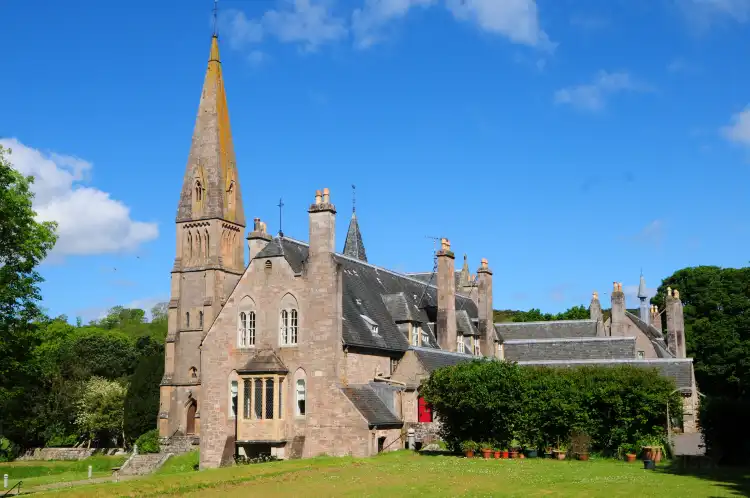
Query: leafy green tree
pixel 142 399
pixel 96 352
pixel 99 409
pixel 717 326
pixel 24 243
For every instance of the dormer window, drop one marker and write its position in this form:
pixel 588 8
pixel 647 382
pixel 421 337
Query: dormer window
pixel 415 334
pixel 371 324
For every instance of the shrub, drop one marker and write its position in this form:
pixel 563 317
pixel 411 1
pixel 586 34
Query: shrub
pixel 541 406
pixel 148 442
pixel 724 424
pixel 142 399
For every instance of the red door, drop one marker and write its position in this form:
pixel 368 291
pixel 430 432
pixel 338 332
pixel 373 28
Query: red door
pixel 424 411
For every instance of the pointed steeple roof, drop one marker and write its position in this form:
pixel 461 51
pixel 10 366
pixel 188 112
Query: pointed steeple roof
pixel 642 288
pixel 354 247
pixel 464 278
pixel 211 187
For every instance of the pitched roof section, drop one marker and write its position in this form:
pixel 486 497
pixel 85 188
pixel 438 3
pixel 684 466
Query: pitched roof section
pixel 642 289
pixel 593 348
pixel 545 330
pixel 373 409
pixel 264 361
pixel 211 165
pixel 354 247
pixel 653 334
pixel 432 359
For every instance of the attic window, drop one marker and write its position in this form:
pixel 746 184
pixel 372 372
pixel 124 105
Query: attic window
pixel 268 264
pixel 359 302
pixel 371 324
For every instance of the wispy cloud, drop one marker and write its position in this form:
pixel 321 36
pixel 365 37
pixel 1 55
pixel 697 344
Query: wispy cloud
pixel 738 129
pixel 314 23
pixel 593 96
pixel 704 14
pixel 651 235
pixel 681 65
pixel 589 22
pixel 89 220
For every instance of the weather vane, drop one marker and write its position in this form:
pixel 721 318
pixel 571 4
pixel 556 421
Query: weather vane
pixel 281 207
pixel 354 199
pixel 216 16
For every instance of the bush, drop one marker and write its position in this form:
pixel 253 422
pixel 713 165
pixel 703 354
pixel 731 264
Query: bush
pixel 148 442
pixel 542 407
pixel 724 424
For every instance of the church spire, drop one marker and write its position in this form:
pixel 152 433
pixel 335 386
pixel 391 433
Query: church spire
pixel 643 311
pixel 211 186
pixel 354 247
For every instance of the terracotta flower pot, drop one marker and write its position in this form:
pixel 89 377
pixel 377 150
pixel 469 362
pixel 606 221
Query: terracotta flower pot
pixel 486 453
pixel 583 456
pixel 505 453
pixel 497 454
pixel 630 457
pixel 560 455
pixel 513 454
pixel 469 454
pixel 521 454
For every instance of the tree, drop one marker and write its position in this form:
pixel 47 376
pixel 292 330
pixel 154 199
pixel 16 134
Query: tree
pixel 717 326
pixel 24 243
pixel 142 399
pixel 99 410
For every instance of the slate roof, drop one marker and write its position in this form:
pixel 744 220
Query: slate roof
pixel 264 361
pixel 545 330
pixel 464 325
pixel 384 296
pixel 679 369
pixel 427 276
pixel 590 348
pixel 354 247
pixel 432 359
pixel 653 334
pixel 373 409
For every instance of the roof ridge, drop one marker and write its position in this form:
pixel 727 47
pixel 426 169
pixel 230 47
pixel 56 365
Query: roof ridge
pixel 568 339
pixel 586 320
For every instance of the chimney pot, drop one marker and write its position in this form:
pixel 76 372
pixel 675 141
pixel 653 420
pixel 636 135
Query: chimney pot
pixel 326 196
pixel 445 244
pixel 669 292
pixel 317 197
pixel 595 295
pixel 484 263
pixel 676 294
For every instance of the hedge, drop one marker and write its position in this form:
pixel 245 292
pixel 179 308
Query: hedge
pixel 724 422
pixel 541 407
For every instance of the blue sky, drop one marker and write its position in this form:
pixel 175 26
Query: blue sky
pixel 569 142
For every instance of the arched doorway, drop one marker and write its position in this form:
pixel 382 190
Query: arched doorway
pixel 190 422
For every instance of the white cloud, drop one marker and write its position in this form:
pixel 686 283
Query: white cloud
pixel 737 9
pixel 738 131
pixel 650 235
pixel 518 20
pixel 631 293
pixel 368 23
pixel 89 220
pixel 312 23
pixel 593 96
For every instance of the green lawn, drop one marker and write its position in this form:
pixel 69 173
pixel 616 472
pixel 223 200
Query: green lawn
pixel 406 474
pixel 36 473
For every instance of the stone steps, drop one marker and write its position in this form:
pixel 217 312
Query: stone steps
pixel 139 465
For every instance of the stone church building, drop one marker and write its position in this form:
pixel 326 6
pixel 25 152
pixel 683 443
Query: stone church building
pixel 307 350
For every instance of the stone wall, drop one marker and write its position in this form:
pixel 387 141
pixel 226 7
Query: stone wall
pixel 68 453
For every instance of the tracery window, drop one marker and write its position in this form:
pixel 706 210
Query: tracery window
pixel 259 396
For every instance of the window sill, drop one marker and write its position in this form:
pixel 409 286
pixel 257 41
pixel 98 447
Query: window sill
pixel 246 347
pixel 288 345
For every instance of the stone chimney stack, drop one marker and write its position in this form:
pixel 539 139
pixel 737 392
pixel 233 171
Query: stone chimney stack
pixel 484 304
pixel 446 297
pixel 595 313
pixel 675 324
pixel 655 317
pixel 322 225
pixel 258 238
pixel 618 324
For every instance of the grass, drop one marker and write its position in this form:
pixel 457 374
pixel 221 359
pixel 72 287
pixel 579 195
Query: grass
pixel 35 473
pixel 179 464
pixel 406 474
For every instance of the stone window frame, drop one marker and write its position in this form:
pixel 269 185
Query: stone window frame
pixel 289 321
pixel 415 334
pixel 300 379
pixel 234 389
pixel 249 406
pixel 641 355
pixel 247 331
pixel 460 345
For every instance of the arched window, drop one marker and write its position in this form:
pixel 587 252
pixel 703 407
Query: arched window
pixel 242 330
pixel 268 264
pixel 189 251
pixel 198 249
pixel 207 246
pixel 300 395
pixel 193 373
pixel 288 321
pixel 187 319
pixel 200 319
pixel 198 191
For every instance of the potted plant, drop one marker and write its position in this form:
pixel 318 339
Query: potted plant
pixel 514 448
pixel 486 450
pixel 496 451
pixel 580 444
pixel 628 450
pixel 652 448
pixel 548 452
pixel 469 447
pixel 561 451
pixel 505 453
pixel 529 451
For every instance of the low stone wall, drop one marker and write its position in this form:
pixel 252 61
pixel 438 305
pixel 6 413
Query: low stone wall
pixel 67 453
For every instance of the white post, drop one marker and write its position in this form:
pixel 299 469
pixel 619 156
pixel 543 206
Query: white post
pixel 411 438
pixel 89 471
pixel 5 481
